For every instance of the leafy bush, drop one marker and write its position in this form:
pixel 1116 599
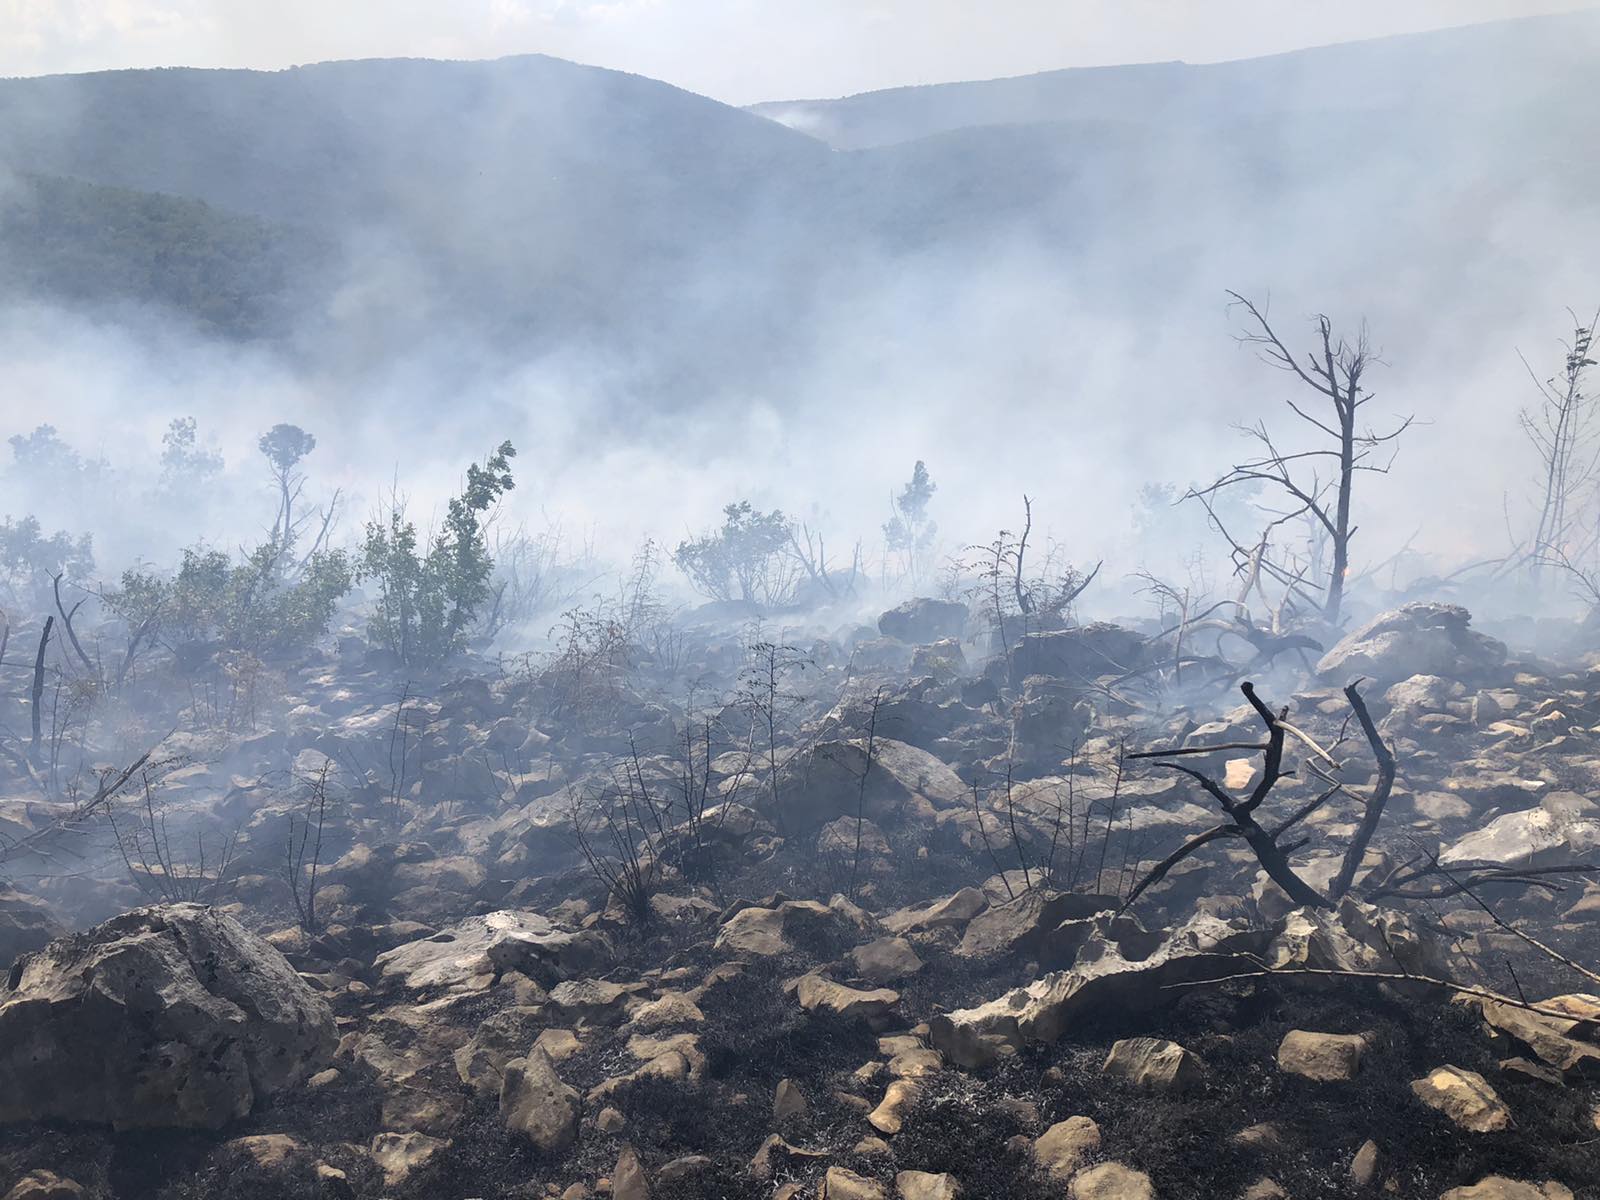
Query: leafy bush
pixel 255 605
pixel 909 532
pixel 427 602
pixel 747 559
pixel 29 561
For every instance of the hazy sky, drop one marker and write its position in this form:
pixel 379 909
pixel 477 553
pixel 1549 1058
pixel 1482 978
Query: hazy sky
pixel 736 50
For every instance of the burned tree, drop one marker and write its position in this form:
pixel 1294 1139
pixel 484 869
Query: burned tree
pixel 1418 877
pixel 284 446
pixel 1317 484
pixel 1558 428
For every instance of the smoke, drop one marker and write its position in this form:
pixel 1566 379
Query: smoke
pixel 1032 309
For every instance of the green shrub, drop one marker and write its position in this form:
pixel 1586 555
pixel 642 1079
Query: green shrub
pixel 427 602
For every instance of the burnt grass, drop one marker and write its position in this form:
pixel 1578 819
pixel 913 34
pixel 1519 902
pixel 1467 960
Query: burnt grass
pixel 974 1125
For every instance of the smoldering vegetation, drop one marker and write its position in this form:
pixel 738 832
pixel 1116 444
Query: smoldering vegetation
pixel 690 659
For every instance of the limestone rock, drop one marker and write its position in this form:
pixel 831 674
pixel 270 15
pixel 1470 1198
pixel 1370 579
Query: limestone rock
pixel 925 1185
pixel 840 1184
pixel 628 1181
pixel 45 1185
pixel 1153 1064
pixel 470 954
pixel 1076 656
pixel 774 1153
pixel 834 779
pixel 401 1155
pixel 169 1016
pixel 898 1099
pixel 1562 1042
pixel 1119 966
pixel 1364 1167
pixel 1551 833
pixel 1418 639
pixel 1325 1057
pixel 1498 1187
pixel 817 993
pixel 924 620
pixel 498 1039
pixel 537 1104
pixel 886 960
pixel 1465 1097
pixel 1063 1148
pixel 768 932
pixel 788 1102
pixel 956 909
pixel 1111 1181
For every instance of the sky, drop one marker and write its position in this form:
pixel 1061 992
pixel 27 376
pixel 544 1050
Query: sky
pixel 738 51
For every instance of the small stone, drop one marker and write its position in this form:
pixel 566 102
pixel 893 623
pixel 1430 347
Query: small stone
pixel 1364 1167
pixel 914 1064
pixel 1324 1057
pixel 1066 1146
pixel 400 1155
pixel 1264 1189
pixel 628 1180
pixel 1111 1181
pixel 774 1153
pixel 1465 1097
pixel 890 1115
pixel 1264 1136
pixel 840 1184
pixel 690 1166
pixel 817 994
pixel 1153 1064
pixel 788 1103
pixel 557 1043
pixel 45 1185
pixel 924 1185
pixel 1498 1187
pixel 269 1151
pixel 609 1120
pixel 886 960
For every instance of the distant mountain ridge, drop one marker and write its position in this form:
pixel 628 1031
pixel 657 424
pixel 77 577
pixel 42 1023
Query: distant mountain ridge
pixel 531 208
pixel 1487 66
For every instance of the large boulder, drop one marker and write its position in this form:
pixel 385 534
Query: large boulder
pixel 1418 639
pixel 1076 656
pixel 1048 720
pixel 171 1016
pixel 836 779
pixel 924 621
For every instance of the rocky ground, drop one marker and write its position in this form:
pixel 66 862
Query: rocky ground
pixel 856 915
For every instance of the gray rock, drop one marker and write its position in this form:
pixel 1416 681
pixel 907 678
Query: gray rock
pixel 924 621
pixel 1153 1064
pixel 1119 966
pixel 537 1104
pixel 1417 639
pixel 171 1016
pixel 469 955
pixel 1076 656
pixel 1325 1057
pixel 1563 828
pixel 886 960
